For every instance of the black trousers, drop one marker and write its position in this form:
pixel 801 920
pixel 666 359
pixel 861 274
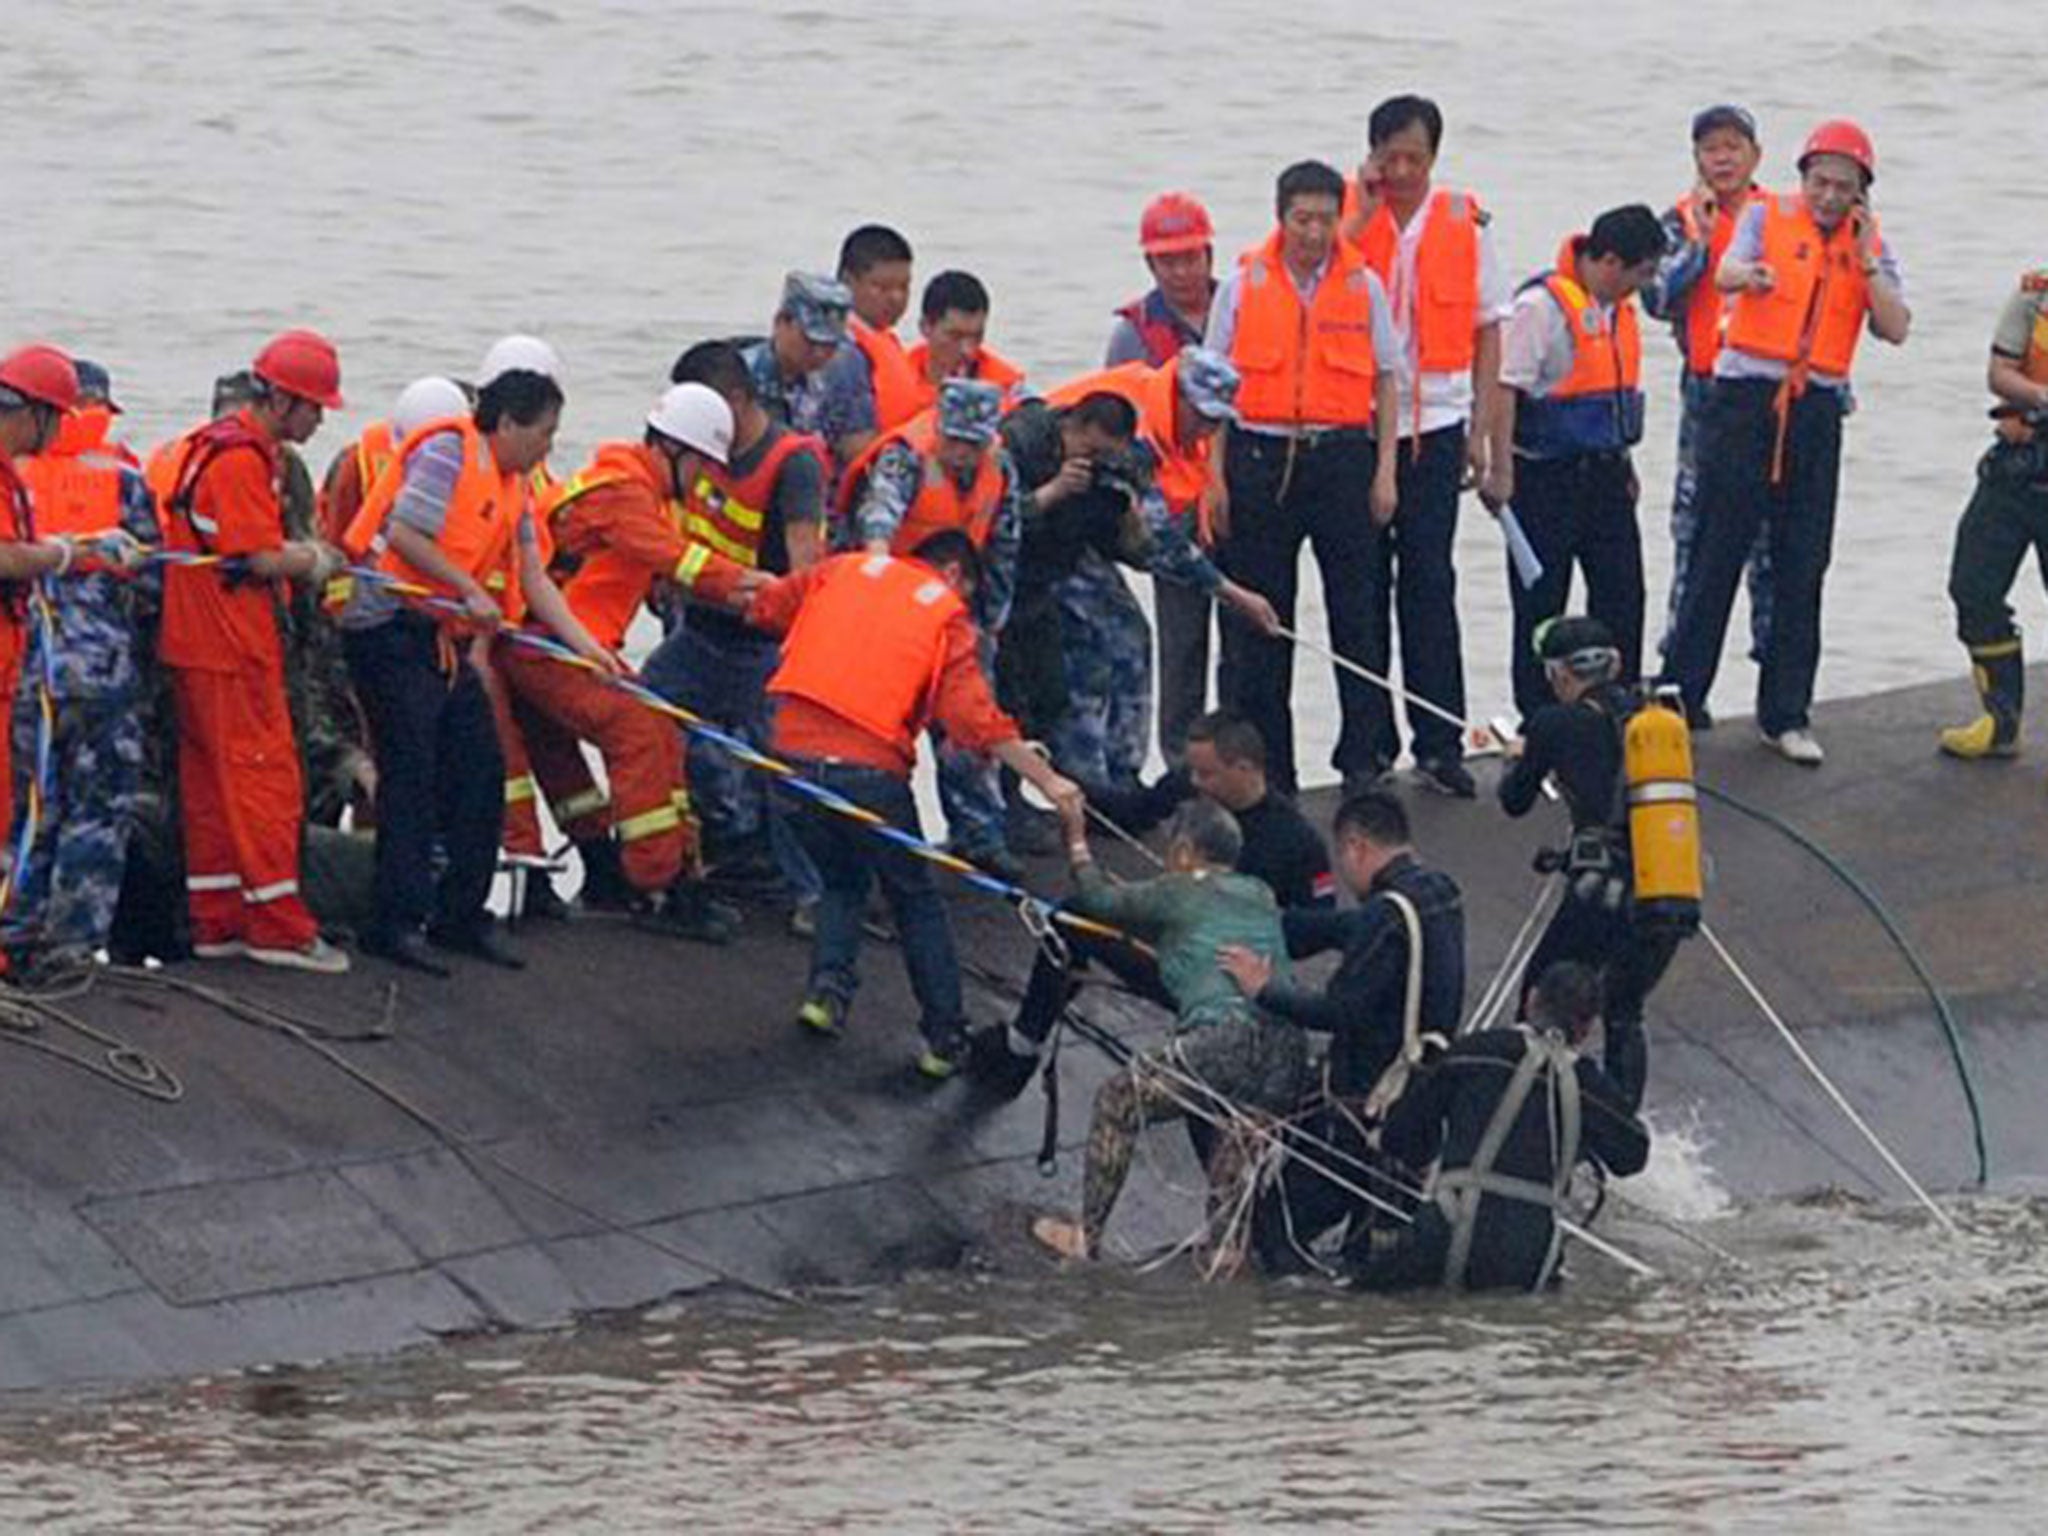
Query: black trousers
pixel 1578 511
pixel 1631 959
pixel 1418 584
pixel 1052 985
pixel 1738 444
pixel 2007 517
pixel 440 777
pixel 1283 492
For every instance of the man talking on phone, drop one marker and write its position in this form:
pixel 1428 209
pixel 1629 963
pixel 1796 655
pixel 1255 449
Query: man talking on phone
pixel 1806 275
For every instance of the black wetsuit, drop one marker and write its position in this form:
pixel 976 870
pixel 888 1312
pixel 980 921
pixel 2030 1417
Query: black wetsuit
pixel 1580 743
pixel 1445 1113
pixel 1362 1010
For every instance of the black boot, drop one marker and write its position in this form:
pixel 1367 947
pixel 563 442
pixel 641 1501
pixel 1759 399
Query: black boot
pixel 605 887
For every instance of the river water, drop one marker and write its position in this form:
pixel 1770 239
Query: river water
pixel 624 177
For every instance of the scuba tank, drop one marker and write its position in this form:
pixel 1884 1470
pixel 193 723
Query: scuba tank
pixel 1663 814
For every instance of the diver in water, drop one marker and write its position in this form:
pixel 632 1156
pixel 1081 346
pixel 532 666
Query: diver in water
pixel 1507 1114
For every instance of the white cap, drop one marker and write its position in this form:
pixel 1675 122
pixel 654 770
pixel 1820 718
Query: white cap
pixel 520 354
pixel 425 400
pixel 696 416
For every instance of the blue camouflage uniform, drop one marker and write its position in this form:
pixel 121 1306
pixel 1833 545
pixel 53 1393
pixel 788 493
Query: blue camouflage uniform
pixel 1679 276
pixel 830 402
pixel 1099 727
pixel 970 786
pixel 87 642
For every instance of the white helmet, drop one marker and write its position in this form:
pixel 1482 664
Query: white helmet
pixel 696 416
pixel 524 354
pixel 425 400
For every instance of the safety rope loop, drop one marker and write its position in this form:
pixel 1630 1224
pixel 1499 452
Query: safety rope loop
pixel 1037 919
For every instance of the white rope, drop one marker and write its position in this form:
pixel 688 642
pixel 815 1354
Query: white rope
pixel 1346 664
pixel 1498 991
pixel 1827 1084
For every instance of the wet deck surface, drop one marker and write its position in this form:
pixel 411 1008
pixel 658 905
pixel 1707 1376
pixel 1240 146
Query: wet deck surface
pixel 635 1115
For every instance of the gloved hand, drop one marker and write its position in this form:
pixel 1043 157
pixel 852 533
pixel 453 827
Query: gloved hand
pixel 325 557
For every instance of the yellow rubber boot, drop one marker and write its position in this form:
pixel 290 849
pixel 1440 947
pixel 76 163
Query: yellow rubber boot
pixel 1979 739
pixel 2001 683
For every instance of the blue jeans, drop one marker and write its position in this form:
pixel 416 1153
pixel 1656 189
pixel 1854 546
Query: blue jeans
pixel 725 680
pixel 848 858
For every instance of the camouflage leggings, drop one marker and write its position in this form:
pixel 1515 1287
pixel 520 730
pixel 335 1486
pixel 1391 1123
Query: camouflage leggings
pixel 1240 1063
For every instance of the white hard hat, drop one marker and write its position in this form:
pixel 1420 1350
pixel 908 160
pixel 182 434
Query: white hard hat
pixel 425 400
pixel 696 416
pixel 521 354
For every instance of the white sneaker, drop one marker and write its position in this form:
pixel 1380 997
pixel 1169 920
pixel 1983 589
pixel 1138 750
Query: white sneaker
pixel 1797 746
pixel 222 949
pixel 319 955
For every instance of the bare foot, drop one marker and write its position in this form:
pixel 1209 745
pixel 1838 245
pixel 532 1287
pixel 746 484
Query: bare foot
pixel 1061 1236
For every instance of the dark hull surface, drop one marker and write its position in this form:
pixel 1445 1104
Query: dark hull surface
pixel 634 1117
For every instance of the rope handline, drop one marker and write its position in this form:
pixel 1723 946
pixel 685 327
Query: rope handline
pixel 1951 1031
pixel 1826 1083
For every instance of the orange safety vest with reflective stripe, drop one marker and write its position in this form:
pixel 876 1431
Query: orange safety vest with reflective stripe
pixel 1814 314
pixel 479 530
pixel 1304 365
pixel 1706 307
pixel 1446 276
pixel 730 513
pixel 868 644
pixel 1598 406
pixel 941 503
pixel 911 390
pixel 1181 473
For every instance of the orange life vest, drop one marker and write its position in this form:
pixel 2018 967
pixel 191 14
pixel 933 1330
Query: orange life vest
pixel 85 431
pixel 1706 307
pixel 1814 314
pixel 75 487
pixel 940 503
pixel 1181 473
pixel 479 532
pixel 906 392
pixel 1598 406
pixel 1302 366
pixel 889 368
pixel 211 615
pixel 1446 276
pixel 868 644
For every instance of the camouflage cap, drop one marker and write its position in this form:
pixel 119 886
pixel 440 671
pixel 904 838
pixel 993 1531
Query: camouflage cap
pixel 1208 382
pixel 95 385
pixel 819 305
pixel 969 409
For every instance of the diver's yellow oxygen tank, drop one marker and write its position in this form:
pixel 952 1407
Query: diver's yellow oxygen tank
pixel 1663 814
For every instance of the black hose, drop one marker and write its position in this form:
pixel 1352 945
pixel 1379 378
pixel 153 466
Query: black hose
pixel 1863 893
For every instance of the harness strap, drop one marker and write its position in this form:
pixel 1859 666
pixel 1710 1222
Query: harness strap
pixel 1394 1080
pixel 1458 1190
pixel 1564 1144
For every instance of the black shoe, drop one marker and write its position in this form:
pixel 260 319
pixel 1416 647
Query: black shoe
pixel 406 950
pixel 994 1068
pixel 605 887
pixel 691 912
pixel 1447 775
pixel 1372 776
pixel 478 943
pixel 542 902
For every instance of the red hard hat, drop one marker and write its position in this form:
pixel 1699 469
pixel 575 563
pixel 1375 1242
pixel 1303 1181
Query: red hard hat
pixel 302 363
pixel 1839 136
pixel 41 373
pixel 1174 221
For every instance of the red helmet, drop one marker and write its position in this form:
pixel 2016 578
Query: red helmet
pixel 1174 221
pixel 41 373
pixel 1839 136
pixel 302 363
